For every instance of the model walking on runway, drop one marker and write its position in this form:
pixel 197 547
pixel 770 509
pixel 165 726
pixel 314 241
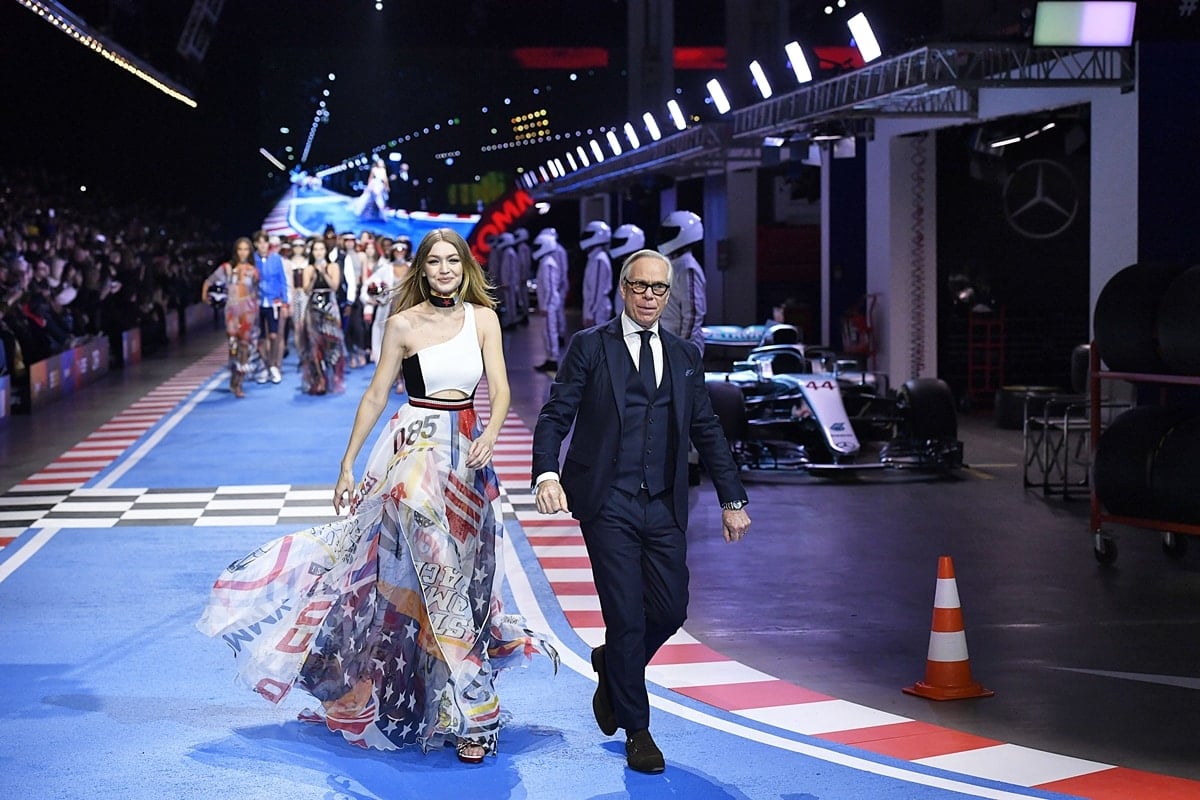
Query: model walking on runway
pixel 392 617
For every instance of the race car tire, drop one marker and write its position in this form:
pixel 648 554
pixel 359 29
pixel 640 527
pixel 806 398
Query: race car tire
pixel 729 404
pixel 1179 324
pixel 926 406
pixel 1173 473
pixel 1125 457
pixel 1125 320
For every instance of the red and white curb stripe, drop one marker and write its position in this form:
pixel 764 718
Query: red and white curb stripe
pixel 99 449
pixel 691 668
pixel 683 665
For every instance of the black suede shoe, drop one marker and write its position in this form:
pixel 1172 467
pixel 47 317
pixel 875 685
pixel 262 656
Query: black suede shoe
pixel 643 754
pixel 547 366
pixel 606 718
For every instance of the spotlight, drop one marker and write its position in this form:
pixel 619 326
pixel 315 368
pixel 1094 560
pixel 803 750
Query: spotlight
pixel 596 151
pixel 828 132
pixel 774 141
pixel 717 93
pixel 558 163
pixel 632 136
pixel 760 79
pixel 583 159
pixel 614 143
pixel 571 161
pixel 799 63
pixel 676 114
pixel 651 126
pixel 864 37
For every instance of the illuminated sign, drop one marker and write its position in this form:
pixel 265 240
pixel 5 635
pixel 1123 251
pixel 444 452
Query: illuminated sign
pixel 496 219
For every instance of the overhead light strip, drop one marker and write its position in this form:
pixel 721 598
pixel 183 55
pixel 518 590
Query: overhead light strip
pixel 67 22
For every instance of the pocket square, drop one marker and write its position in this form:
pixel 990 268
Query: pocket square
pixel 689 373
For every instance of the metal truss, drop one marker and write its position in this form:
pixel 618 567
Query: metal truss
pixel 693 151
pixel 932 81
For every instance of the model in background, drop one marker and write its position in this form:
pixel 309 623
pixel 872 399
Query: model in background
pixel 274 296
pixel 323 360
pixel 238 278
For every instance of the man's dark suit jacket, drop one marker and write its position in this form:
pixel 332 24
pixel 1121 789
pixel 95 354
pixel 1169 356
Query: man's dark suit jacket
pixel 589 391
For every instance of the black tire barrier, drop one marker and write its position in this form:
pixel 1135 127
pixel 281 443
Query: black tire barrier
pixel 1173 483
pixel 1125 321
pixel 927 407
pixel 1009 410
pixel 1125 456
pixel 1179 324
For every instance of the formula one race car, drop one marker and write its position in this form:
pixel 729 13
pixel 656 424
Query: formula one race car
pixel 785 407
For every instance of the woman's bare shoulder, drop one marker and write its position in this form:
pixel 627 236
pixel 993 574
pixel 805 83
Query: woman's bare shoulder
pixel 485 315
pixel 403 320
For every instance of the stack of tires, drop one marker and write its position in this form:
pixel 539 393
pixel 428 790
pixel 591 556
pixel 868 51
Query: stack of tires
pixel 1147 322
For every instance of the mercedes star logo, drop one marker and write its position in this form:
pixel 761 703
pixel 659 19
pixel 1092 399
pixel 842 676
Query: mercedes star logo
pixel 1041 199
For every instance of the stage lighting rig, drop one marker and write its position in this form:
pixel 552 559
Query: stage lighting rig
pixel 66 21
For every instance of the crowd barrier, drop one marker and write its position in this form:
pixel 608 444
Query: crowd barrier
pixel 64 373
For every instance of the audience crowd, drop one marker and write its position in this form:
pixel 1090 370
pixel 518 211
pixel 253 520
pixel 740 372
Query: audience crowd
pixel 75 264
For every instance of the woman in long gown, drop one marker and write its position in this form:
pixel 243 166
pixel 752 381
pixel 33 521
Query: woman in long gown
pixel 239 277
pixel 392 617
pixel 323 354
pixel 296 265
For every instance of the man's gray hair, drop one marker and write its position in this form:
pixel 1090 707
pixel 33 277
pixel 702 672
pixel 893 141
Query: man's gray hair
pixel 628 262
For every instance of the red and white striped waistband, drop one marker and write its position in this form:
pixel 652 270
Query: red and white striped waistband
pixel 442 404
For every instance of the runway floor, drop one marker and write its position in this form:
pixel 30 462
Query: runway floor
pixel 122 502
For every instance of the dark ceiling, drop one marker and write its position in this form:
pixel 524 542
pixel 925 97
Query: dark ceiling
pixel 411 66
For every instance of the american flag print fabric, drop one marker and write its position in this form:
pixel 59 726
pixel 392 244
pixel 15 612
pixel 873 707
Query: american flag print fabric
pixel 391 617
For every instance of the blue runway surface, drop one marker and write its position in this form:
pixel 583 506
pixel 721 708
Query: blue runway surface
pixel 110 692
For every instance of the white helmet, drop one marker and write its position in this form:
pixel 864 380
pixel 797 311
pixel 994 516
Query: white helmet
pixel 544 245
pixel 594 233
pixel 547 232
pixel 521 235
pixel 505 239
pixel 627 239
pixel 677 230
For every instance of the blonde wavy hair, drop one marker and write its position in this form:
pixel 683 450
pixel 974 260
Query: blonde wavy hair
pixel 474 288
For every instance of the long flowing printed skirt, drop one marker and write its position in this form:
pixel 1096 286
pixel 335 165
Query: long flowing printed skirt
pixel 392 616
pixel 241 325
pixel 323 355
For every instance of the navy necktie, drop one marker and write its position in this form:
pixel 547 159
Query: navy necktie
pixel 646 364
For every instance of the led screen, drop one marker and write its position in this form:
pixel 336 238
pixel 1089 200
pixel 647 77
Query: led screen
pixel 1094 24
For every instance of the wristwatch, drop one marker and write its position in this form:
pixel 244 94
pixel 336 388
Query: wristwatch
pixel 734 505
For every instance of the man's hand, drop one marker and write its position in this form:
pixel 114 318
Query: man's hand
pixel 735 524
pixel 551 498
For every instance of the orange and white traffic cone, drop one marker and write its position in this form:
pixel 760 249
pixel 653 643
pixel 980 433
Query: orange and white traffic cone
pixel 947 668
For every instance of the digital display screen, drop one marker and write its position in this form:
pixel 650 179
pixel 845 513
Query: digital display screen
pixel 1092 24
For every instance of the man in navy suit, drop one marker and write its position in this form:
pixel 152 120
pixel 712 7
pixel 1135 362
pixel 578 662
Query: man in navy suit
pixel 635 395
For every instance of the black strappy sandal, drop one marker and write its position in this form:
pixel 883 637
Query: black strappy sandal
pixel 470 751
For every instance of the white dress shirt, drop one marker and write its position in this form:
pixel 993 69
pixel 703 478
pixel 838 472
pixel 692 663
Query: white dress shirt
pixel 633 341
